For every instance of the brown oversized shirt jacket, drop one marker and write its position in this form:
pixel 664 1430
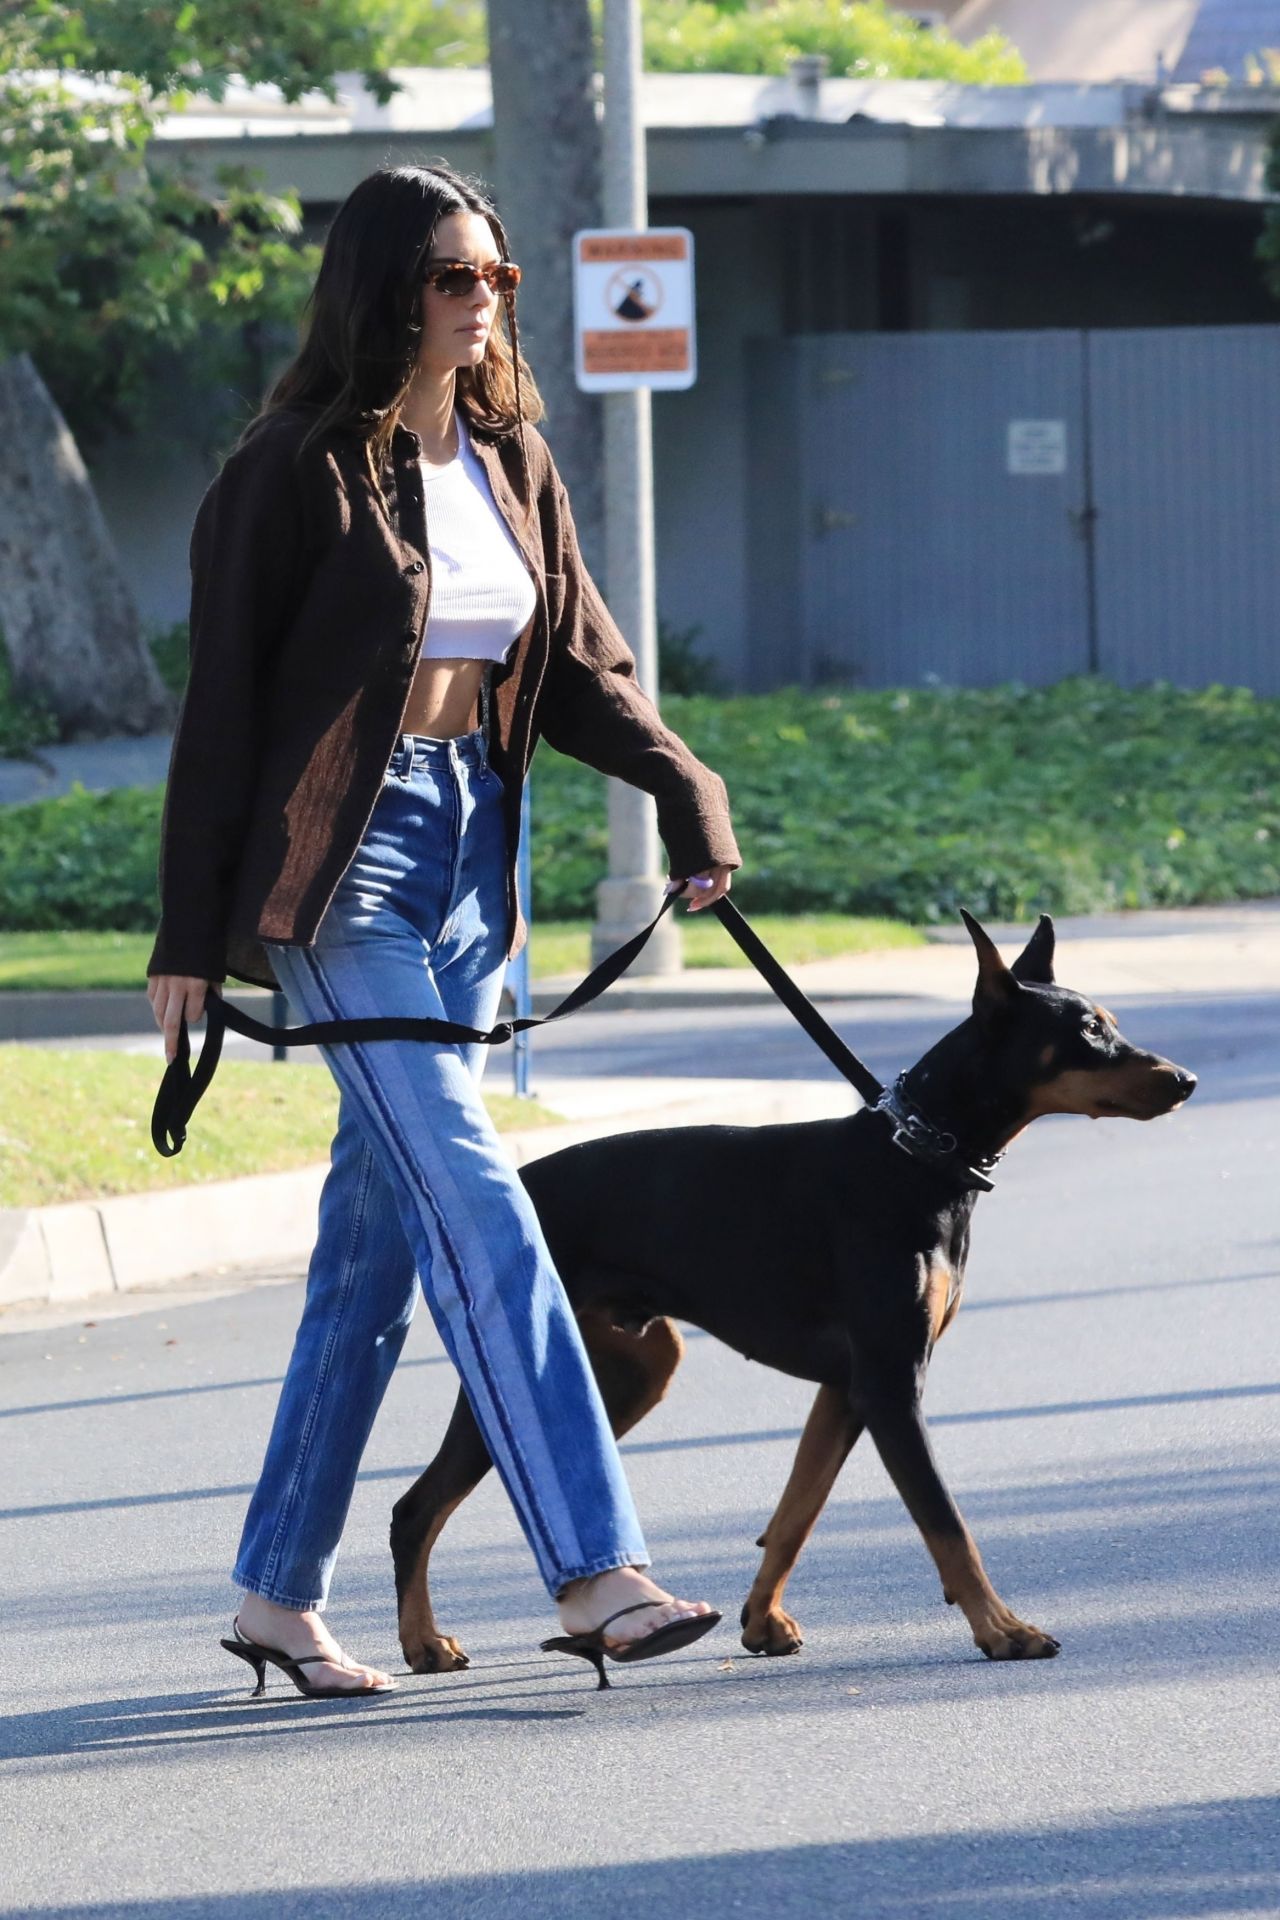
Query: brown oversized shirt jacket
pixel 307 612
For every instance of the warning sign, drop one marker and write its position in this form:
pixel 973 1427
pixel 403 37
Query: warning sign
pixel 633 300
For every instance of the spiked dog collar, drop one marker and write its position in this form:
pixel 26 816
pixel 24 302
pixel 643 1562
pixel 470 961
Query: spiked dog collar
pixel 917 1136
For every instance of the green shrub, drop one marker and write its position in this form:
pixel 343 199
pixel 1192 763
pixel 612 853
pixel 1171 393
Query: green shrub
pixel 682 665
pixel 1075 798
pixel 24 723
pixel 170 650
pixel 84 860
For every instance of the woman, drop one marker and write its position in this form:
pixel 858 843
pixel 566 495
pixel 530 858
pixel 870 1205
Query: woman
pixel 341 819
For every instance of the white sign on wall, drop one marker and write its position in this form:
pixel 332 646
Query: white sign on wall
pixel 1037 446
pixel 633 309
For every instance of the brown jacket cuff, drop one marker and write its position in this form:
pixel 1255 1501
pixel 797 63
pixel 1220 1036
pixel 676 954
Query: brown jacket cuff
pixel 195 958
pixel 696 838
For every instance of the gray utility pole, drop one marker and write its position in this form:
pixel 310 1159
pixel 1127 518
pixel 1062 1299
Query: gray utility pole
pixel 547 169
pixel 632 894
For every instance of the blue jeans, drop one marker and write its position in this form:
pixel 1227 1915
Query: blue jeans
pixel 418 1180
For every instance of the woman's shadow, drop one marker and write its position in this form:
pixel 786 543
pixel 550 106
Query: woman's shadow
pixel 89 1728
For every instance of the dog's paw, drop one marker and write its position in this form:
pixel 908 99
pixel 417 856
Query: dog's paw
pixel 771 1633
pixel 1008 1638
pixel 434 1653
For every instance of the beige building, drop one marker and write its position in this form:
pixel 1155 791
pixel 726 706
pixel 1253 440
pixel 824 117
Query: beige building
pixel 1107 40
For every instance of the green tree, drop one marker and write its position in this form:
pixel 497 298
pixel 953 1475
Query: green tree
pixel 866 40
pixel 113 250
pixel 862 38
pixel 116 258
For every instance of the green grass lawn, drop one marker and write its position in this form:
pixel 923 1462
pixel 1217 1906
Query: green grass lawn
pixel 78 960
pixel 76 1125
pixel 73 960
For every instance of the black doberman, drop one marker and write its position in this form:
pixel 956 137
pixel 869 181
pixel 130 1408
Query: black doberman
pixel 823 1249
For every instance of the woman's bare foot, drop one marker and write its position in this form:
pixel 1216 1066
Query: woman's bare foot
pixel 584 1604
pixel 302 1634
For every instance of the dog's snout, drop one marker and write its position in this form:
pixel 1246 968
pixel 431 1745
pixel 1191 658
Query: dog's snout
pixel 1185 1082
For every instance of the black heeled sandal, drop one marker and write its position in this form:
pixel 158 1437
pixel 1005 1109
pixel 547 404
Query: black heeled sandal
pixel 257 1657
pixel 667 1638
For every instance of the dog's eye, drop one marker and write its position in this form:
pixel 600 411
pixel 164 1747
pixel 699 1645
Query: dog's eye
pixel 1094 1028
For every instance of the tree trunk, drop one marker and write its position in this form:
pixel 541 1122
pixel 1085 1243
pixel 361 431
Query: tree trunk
pixel 67 619
pixel 547 147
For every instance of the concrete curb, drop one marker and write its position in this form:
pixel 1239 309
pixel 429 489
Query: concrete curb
pixel 42 1015
pixel 90 1247
pixel 48 1015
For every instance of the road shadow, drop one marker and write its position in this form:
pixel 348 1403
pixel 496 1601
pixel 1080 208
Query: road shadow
pixel 189 1391
pixel 150 1725
pixel 684 1443
pixel 1187 1862
pixel 1148 1574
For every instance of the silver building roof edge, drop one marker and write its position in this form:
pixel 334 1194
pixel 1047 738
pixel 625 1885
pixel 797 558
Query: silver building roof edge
pixel 448 100
pixel 728 135
pixel 442 100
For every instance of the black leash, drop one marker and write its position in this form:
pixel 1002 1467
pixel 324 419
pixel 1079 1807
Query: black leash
pixel 182 1087
pixel 798 1005
pixel 912 1131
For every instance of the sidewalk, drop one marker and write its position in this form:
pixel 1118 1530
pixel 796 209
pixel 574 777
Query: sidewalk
pixel 136 761
pixel 117 1252
pixel 1231 949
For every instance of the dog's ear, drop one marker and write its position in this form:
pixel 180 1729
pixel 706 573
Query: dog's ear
pixel 997 989
pixel 1034 965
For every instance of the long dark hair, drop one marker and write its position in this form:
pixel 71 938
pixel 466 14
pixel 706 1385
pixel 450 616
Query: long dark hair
pixel 361 321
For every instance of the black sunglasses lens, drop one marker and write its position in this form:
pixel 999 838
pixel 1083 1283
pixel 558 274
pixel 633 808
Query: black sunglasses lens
pixel 456 280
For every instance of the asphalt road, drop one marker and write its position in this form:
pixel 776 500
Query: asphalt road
pixel 1106 1410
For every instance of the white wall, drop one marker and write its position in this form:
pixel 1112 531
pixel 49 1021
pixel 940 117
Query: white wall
pixel 1096 40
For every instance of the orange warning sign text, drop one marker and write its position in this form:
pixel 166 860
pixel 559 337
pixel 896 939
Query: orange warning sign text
pixel 653 350
pixel 635 246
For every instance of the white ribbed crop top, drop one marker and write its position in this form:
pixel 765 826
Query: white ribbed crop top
pixel 481 593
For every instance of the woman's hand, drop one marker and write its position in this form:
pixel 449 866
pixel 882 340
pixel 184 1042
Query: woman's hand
pixel 172 995
pixel 702 889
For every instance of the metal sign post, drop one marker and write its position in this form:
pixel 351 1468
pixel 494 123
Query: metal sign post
pixel 632 894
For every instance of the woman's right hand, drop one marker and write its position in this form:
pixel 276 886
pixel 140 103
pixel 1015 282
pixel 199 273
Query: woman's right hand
pixel 172 995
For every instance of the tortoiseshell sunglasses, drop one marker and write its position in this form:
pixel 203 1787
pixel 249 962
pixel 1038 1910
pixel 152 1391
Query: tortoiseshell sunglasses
pixel 458 278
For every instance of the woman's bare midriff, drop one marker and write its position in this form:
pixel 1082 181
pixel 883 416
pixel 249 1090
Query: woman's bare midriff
pixel 444 700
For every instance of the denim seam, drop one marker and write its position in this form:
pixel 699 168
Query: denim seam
pixel 310 961
pixel 481 770
pixel 322 1372
pixel 457 770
